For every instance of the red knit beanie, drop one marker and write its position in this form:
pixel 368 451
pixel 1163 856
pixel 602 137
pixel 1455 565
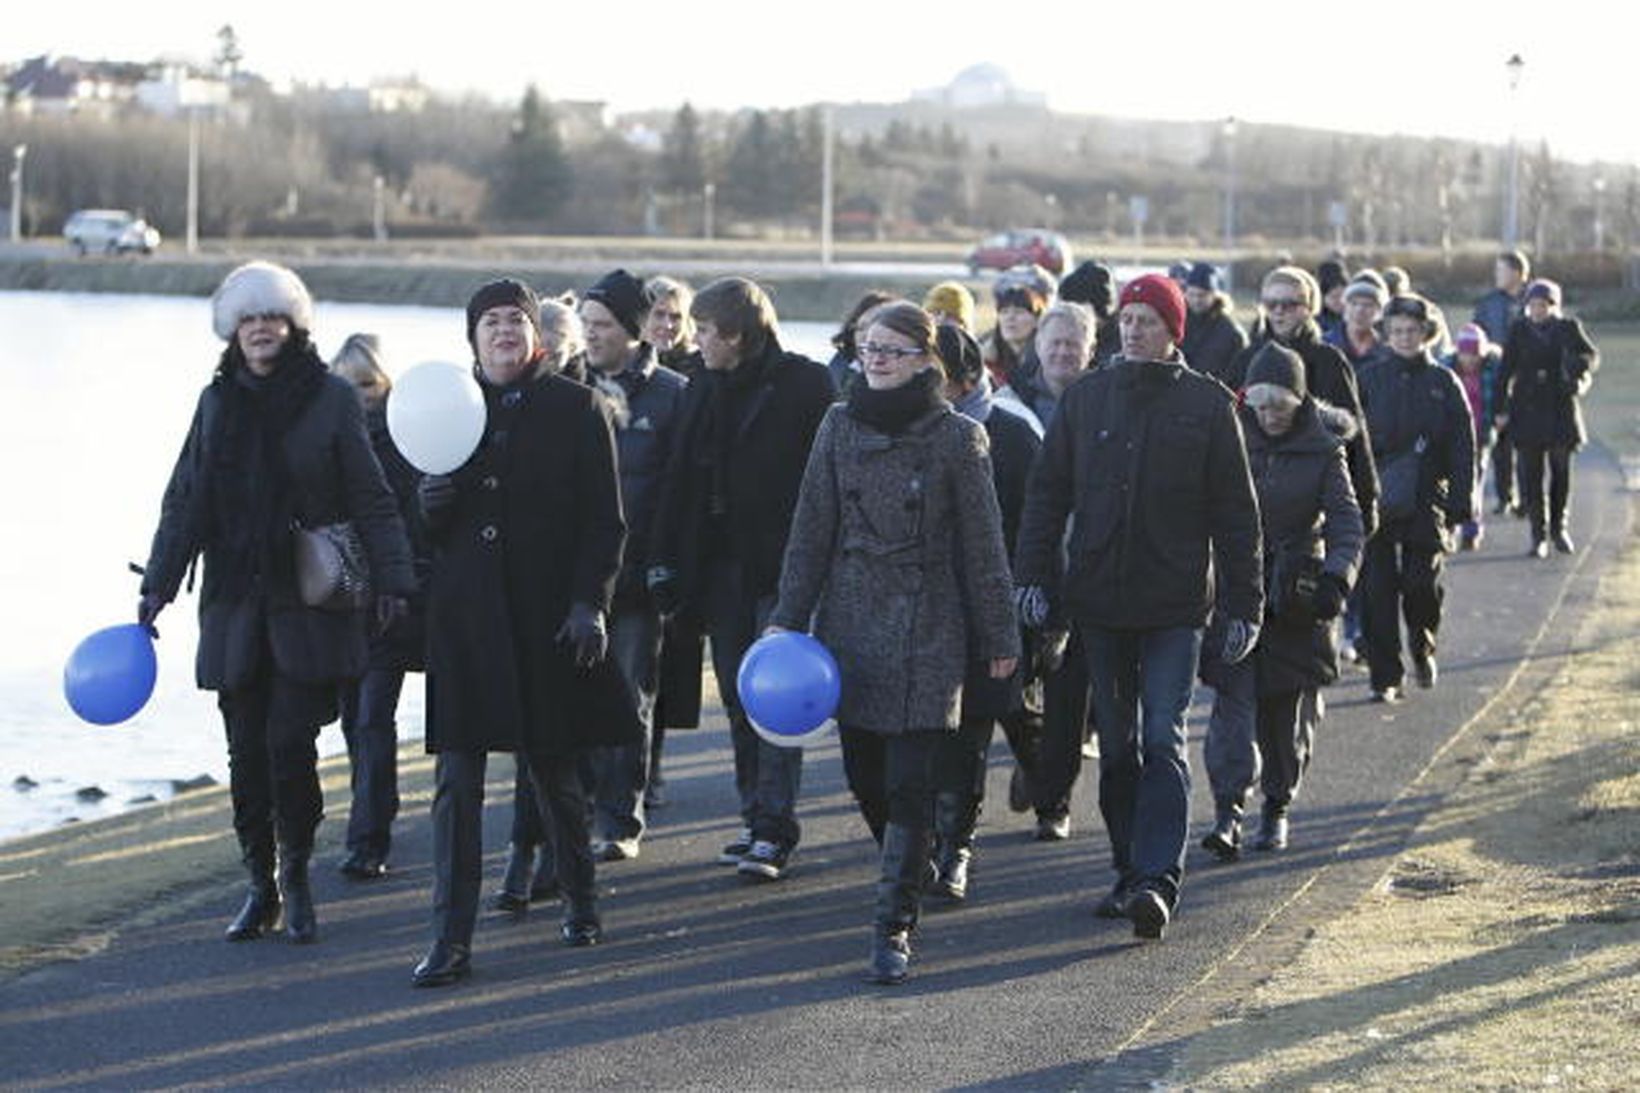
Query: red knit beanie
pixel 1162 295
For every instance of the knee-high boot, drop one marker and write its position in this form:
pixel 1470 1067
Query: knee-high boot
pixel 956 814
pixel 301 922
pixel 261 908
pixel 905 861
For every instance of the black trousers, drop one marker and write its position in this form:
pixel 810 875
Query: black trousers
pixel 1503 469
pixel 458 851
pixel 370 727
pixel 1067 703
pixel 272 726
pixel 892 778
pixel 1547 519
pixel 1401 578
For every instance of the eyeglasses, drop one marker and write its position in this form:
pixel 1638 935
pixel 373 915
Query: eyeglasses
pixel 1283 303
pixel 892 352
pixel 263 317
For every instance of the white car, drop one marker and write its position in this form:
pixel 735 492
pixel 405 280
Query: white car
pixel 109 231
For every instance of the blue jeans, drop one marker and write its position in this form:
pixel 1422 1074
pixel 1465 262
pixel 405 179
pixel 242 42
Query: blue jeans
pixel 621 774
pixel 368 724
pixel 1142 681
pixel 767 778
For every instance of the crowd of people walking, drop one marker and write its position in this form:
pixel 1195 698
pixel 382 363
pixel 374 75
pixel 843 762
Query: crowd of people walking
pixel 1058 525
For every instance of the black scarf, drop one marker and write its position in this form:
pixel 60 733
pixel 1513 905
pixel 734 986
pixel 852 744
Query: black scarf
pixel 252 500
pixel 726 403
pixel 893 410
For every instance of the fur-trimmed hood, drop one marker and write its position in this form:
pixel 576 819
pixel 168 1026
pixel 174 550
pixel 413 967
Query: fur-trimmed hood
pixel 1320 426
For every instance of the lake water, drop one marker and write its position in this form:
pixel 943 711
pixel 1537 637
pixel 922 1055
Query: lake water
pixel 96 392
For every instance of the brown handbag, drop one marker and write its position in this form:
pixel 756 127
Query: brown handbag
pixel 331 571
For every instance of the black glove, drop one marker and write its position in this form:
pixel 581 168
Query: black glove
pixel 664 593
pixel 148 609
pixel 1031 603
pixel 436 492
pixel 584 629
pixel 1240 636
pixel 390 611
pixel 1327 601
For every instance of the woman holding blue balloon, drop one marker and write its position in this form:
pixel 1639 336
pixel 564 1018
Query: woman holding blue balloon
pixel 896 559
pixel 277 443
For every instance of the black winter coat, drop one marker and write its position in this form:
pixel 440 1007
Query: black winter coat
pixel 775 417
pixel 335 477
pixel 1149 458
pixel 1307 509
pixel 1412 403
pixel 1546 370
pixel 1330 378
pixel 535 527
pixel 1212 339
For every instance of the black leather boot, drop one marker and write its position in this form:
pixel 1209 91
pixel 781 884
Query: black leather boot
pixel 301 923
pixel 260 912
pixel 1224 841
pixel 905 860
pixel 955 816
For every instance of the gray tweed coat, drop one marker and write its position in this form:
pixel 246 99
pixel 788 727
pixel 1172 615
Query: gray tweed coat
pixel 896 555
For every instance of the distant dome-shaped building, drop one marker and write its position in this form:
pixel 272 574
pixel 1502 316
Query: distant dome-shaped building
pixel 979 86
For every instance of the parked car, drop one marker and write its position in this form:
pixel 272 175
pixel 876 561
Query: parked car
pixel 109 231
pixel 1022 246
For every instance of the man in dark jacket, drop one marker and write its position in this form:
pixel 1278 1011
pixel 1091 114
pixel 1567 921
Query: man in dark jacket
pixel 1496 312
pixel 1211 337
pixel 1146 457
pixel 1424 443
pixel 527 535
pixel 644 398
pixel 731 483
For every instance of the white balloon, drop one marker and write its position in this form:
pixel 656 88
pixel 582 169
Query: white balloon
pixel 811 739
pixel 435 414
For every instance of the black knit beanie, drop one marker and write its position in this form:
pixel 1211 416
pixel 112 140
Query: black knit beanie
pixel 1090 283
pixel 959 352
pixel 1277 364
pixel 503 293
pixel 1331 274
pixel 623 295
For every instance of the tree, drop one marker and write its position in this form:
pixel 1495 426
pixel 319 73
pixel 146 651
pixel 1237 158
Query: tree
pixel 228 53
pixel 533 177
pixel 683 155
pixel 750 183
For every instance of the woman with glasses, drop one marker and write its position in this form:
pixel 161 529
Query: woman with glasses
pixel 896 561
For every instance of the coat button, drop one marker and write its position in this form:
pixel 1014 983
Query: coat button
pixel 491 482
pixel 489 533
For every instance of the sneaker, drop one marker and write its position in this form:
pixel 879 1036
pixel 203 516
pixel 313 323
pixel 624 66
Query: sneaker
pixel 1114 905
pixel 1540 549
pixel 1272 834
pixel 1149 914
pixel 1019 789
pixel 1053 829
pixel 765 860
pixel 1563 542
pixel 607 850
pixel 1387 695
pixel 739 848
pixel 1224 841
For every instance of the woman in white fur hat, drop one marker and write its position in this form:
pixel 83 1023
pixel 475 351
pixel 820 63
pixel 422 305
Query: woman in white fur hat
pixel 277 442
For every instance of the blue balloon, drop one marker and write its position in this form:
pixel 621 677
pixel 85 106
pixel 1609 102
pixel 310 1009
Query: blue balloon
pixel 789 686
pixel 110 674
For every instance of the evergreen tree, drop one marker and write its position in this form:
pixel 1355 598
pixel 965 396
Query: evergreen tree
pixel 750 179
pixel 533 176
pixel 683 155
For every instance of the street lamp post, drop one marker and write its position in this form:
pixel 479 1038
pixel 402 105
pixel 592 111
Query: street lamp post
pixel 193 179
pixel 1230 205
pixel 708 192
pixel 1511 223
pixel 17 155
pixel 378 214
pixel 1600 214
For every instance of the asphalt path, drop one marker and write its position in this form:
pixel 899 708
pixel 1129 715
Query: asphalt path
pixel 706 980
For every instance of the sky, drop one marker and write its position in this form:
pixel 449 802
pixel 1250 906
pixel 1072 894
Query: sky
pixel 1434 67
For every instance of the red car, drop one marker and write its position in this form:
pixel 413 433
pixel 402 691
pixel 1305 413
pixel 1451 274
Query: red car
pixel 1020 246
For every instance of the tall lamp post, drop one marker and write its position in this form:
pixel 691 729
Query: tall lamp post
pixel 18 153
pixel 1511 221
pixel 1600 214
pixel 1230 206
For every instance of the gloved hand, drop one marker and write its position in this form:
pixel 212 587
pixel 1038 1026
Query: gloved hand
pixel 148 609
pixel 584 629
pixel 390 611
pixel 436 492
pixel 1031 603
pixel 662 583
pixel 1239 638
pixel 1327 601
